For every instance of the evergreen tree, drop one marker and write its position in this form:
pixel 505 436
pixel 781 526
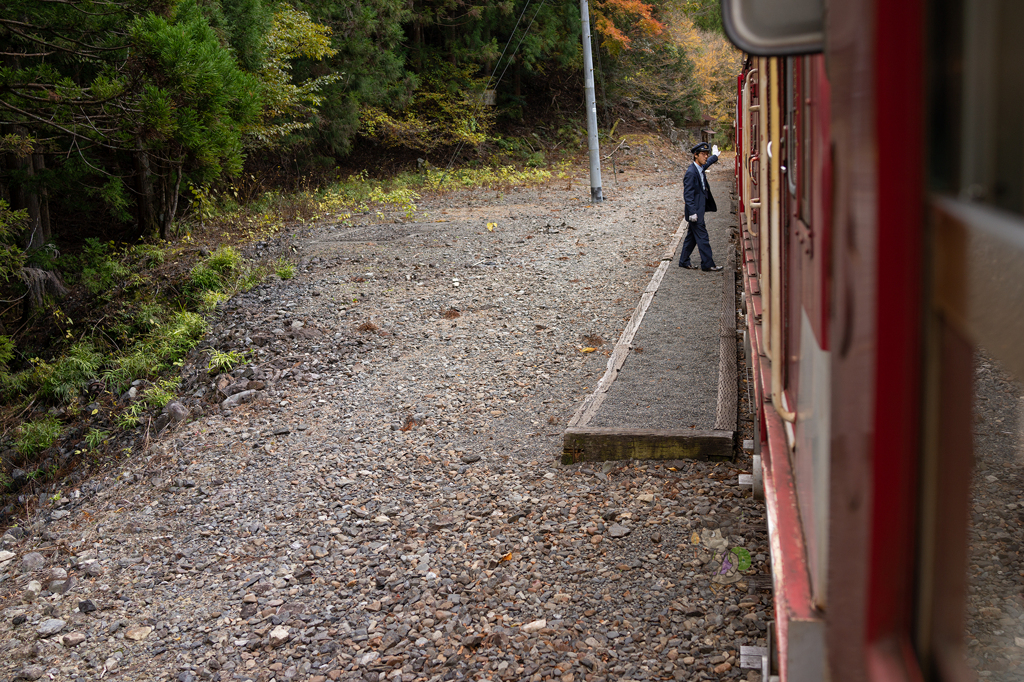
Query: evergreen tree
pixel 188 112
pixel 706 14
pixel 369 62
pixel 125 102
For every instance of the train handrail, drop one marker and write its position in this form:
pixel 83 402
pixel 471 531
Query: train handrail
pixel 747 160
pixel 764 194
pixel 775 258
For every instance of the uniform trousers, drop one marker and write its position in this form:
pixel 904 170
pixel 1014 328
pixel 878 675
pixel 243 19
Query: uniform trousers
pixel 697 235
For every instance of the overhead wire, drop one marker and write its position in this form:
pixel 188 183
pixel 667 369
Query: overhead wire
pixel 458 149
pixel 509 42
pixel 521 39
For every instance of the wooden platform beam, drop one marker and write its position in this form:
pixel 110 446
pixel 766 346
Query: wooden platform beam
pixel 594 444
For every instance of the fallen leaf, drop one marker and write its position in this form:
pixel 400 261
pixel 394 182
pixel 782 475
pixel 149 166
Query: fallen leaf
pixel 587 350
pixel 491 226
pixel 743 558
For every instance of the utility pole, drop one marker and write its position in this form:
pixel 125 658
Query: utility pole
pixel 588 76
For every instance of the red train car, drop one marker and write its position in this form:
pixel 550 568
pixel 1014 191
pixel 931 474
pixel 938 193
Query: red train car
pixel 880 170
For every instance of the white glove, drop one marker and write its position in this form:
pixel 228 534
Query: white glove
pixel 714 150
pixel 693 218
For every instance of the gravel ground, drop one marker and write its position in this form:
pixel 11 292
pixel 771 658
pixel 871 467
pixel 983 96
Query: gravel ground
pixel 383 501
pixel 995 607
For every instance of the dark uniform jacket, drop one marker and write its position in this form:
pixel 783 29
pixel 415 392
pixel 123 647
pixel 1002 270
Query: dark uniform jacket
pixel 698 201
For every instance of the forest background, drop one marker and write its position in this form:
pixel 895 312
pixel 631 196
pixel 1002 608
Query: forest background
pixel 128 128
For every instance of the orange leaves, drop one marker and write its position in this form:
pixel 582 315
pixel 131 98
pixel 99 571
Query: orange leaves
pixel 614 40
pixel 634 15
pixel 716 63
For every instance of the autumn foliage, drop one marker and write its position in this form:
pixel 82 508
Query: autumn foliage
pixel 619 21
pixel 715 65
pixel 682 71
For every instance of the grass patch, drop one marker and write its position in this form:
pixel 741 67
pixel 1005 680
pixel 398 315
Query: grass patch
pixel 163 392
pixel 359 194
pixel 224 361
pixel 284 269
pixel 36 436
pixel 160 351
pixel 94 438
pixel 72 373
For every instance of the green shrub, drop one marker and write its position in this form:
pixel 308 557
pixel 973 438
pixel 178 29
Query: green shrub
pixel 249 280
pixel 163 392
pixel 148 317
pixel 224 361
pixel 25 382
pixel 37 436
pixel 101 269
pixel 221 272
pixel 210 299
pixel 73 372
pixel 284 269
pixel 161 350
pixel 12 224
pixel 149 255
pixel 95 437
pixel 225 260
pixel 205 278
pixel 138 362
pixel 399 197
pixel 6 349
pixel 131 417
pixel 180 335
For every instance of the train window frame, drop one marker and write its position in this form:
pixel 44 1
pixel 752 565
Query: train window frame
pixel 992 165
pixel 975 265
pixel 805 91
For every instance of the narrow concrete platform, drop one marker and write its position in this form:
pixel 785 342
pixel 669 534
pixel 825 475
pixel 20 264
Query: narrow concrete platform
pixel 669 391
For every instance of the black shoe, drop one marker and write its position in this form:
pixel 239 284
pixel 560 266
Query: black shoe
pixel 714 269
pixel 688 267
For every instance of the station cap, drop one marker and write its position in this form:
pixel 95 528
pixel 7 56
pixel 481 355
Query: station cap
pixel 702 147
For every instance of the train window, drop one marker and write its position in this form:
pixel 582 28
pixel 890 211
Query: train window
pixel 992 141
pixel 806 125
pixel 977 360
pixel 792 162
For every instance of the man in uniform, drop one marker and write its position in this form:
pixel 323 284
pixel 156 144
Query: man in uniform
pixel 698 199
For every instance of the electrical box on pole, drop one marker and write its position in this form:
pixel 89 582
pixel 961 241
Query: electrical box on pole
pixel 591 101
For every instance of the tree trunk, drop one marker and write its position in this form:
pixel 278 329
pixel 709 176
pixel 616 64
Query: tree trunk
pixel 417 37
pixel 46 230
pixel 172 186
pixel 34 234
pixel 145 209
pixel 25 197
